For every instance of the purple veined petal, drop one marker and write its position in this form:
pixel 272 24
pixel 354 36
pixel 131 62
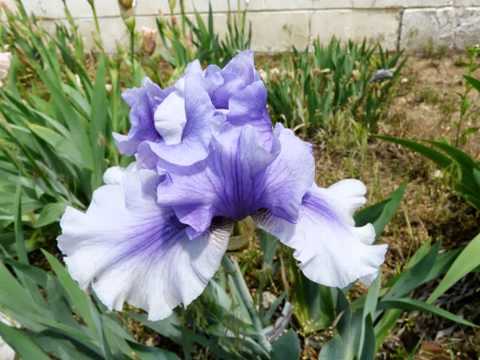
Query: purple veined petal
pixel 128 249
pixel 125 144
pixel 213 78
pixel 290 176
pixel 201 114
pixel 240 177
pixel 330 249
pixel 224 187
pixel 249 106
pixel 170 126
pixel 237 74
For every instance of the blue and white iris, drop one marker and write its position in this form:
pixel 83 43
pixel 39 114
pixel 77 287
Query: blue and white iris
pixel 207 156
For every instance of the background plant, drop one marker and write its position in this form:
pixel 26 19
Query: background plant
pixel 187 38
pixel 309 87
pixel 57 120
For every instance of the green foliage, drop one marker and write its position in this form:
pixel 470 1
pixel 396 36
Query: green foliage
pixel 467 109
pixel 287 347
pixel 185 39
pixel 56 132
pixel 467 261
pixel 59 319
pixel 310 86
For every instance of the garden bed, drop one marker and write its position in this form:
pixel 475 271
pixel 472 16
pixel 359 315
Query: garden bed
pixel 368 114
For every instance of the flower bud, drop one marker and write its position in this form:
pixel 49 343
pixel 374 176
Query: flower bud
pixel 130 23
pixel 127 4
pixel 3 5
pixel 149 42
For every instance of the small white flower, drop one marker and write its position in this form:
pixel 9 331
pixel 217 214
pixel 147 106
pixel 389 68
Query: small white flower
pixel 438 174
pixel 275 71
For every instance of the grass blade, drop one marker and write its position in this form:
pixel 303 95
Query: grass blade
pixel 22 343
pixel 467 261
pixel 416 305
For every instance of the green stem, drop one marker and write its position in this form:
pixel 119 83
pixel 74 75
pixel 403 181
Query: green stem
pixel 97 24
pixel 132 46
pixel 232 268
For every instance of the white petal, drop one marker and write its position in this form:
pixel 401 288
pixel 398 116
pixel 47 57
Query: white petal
pixel 113 175
pixel 128 249
pixel 330 249
pixel 6 352
pixel 170 118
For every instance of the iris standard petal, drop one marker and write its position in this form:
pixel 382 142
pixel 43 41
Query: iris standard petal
pixel 249 106
pixel 240 177
pixel 170 118
pixel 330 249
pixel 171 128
pixel 142 101
pixel 156 115
pixel 202 121
pixel 128 249
pixel 237 74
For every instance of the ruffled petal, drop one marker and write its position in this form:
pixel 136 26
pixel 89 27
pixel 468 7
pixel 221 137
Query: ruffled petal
pixel 202 121
pixel 180 158
pixel 248 105
pixel 213 78
pixel 128 249
pixel 330 249
pixel 237 74
pixel 170 118
pixel 143 102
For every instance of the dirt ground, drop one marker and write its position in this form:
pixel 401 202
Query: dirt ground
pixel 426 106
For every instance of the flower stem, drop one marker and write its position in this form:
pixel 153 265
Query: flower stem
pixel 97 24
pixel 232 268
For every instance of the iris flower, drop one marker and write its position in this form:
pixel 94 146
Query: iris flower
pixel 208 156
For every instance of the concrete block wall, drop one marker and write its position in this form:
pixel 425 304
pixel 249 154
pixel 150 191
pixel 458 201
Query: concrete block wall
pixel 279 24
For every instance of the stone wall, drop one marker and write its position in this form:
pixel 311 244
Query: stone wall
pixel 279 24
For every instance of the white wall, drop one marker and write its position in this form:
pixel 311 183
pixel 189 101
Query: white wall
pixel 279 24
